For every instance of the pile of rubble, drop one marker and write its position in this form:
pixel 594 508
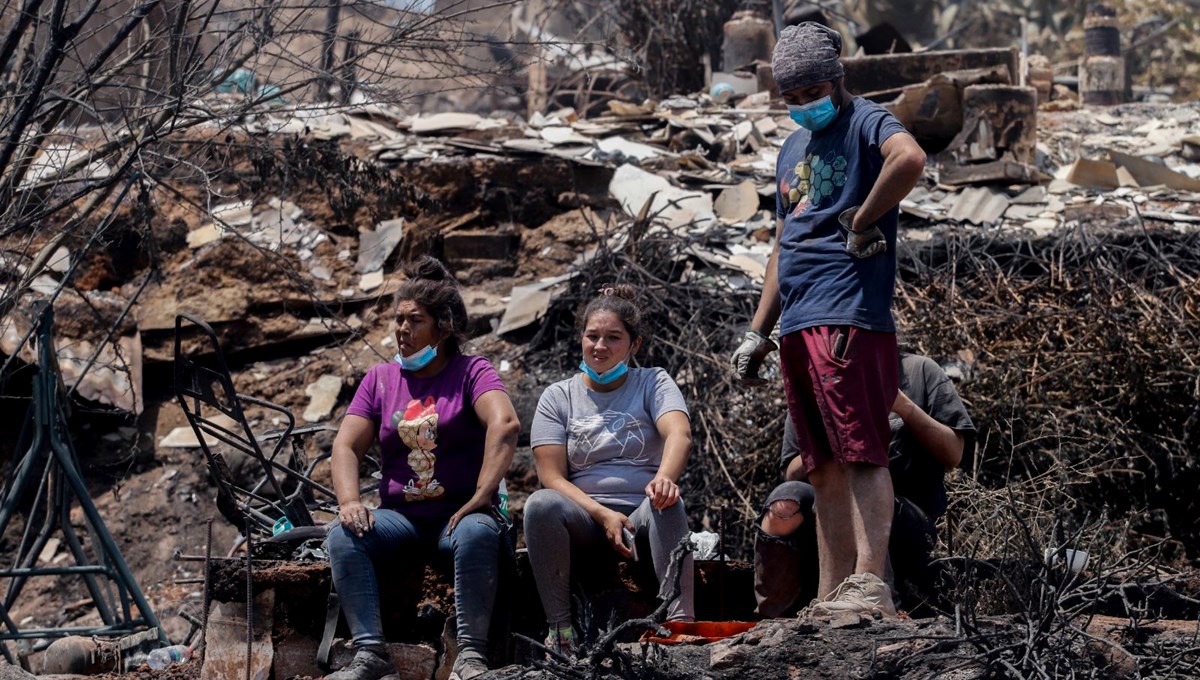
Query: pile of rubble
pixel 532 213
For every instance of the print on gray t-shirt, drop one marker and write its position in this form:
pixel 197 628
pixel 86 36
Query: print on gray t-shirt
pixel 613 445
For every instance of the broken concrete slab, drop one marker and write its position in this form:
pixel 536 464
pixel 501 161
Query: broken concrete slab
pixel 49 551
pixel 1042 226
pixel 60 261
pixel 204 235
pixel 375 247
pixel 526 305
pixel 635 150
pixel 439 122
pixel 995 172
pixel 58 162
pixel 562 135
pixel 1023 213
pixel 634 188
pixel 322 397
pixel 754 268
pixel 1089 173
pixel 979 206
pixel 1035 195
pixel 236 214
pixel 1148 173
pixel 276 225
pixel 370 281
pixel 737 203
pixel 116 376
pixel 185 437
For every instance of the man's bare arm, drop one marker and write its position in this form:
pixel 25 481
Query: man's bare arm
pixel 903 163
pixel 767 314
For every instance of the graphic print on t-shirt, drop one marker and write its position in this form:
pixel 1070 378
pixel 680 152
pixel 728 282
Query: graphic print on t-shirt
pixel 417 427
pixel 813 180
pixel 610 435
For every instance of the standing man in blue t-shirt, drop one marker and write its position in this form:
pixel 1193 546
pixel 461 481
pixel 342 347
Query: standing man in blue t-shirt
pixel 829 283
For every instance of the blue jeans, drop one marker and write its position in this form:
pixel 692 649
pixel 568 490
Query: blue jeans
pixel 475 544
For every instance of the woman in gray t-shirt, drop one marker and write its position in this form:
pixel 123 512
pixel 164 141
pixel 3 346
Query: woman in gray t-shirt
pixel 610 443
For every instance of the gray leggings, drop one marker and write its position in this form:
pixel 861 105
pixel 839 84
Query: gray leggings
pixel 555 525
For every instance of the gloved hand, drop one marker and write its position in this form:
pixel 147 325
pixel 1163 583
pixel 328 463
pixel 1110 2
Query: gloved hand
pixel 749 355
pixel 865 243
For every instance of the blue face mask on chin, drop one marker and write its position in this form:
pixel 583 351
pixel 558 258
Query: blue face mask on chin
pixel 814 116
pixel 606 377
pixel 418 360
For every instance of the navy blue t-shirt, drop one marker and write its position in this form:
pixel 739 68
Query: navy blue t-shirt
pixel 821 174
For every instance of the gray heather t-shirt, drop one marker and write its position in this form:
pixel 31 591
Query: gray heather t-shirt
pixel 613 446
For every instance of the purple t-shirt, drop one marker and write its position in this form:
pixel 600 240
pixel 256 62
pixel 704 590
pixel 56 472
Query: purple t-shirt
pixel 430 439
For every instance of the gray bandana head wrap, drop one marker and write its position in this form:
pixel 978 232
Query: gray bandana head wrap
pixel 806 54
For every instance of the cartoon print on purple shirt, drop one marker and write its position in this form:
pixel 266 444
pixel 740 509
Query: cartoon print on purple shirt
pixel 417 427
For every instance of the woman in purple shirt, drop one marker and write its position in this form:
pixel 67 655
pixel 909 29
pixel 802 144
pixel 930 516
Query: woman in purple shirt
pixel 447 431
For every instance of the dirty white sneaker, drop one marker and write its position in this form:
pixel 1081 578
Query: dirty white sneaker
pixel 368 663
pixel 859 593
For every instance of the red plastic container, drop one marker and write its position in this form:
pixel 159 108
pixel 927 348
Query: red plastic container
pixel 699 632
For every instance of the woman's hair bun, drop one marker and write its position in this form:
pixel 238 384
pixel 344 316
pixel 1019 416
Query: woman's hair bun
pixel 428 268
pixel 623 291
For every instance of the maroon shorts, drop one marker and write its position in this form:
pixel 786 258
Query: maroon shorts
pixel 841 383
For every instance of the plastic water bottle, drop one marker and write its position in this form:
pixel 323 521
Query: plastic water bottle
pixel 503 493
pixel 159 659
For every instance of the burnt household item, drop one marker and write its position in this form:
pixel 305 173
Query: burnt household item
pixel 1102 73
pixel 882 39
pixel 999 123
pixel 1040 76
pixel 215 410
pixel 796 12
pixel 749 37
pixel 881 74
pixel 933 110
pixel 46 470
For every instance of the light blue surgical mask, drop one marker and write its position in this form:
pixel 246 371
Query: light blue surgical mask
pixel 814 116
pixel 606 377
pixel 417 360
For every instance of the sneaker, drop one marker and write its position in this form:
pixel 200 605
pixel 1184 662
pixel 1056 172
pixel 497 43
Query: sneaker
pixel 467 665
pixel 859 593
pixel 561 641
pixel 369 663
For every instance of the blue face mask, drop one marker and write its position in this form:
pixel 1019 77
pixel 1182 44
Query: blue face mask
pixel 816 115
pixel 419 360
pixel 606 377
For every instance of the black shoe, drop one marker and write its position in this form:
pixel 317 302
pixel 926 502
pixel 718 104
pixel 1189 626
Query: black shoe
pixel 369 663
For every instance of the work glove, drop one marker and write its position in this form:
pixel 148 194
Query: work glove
pixel 861 244
pixel 749 355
